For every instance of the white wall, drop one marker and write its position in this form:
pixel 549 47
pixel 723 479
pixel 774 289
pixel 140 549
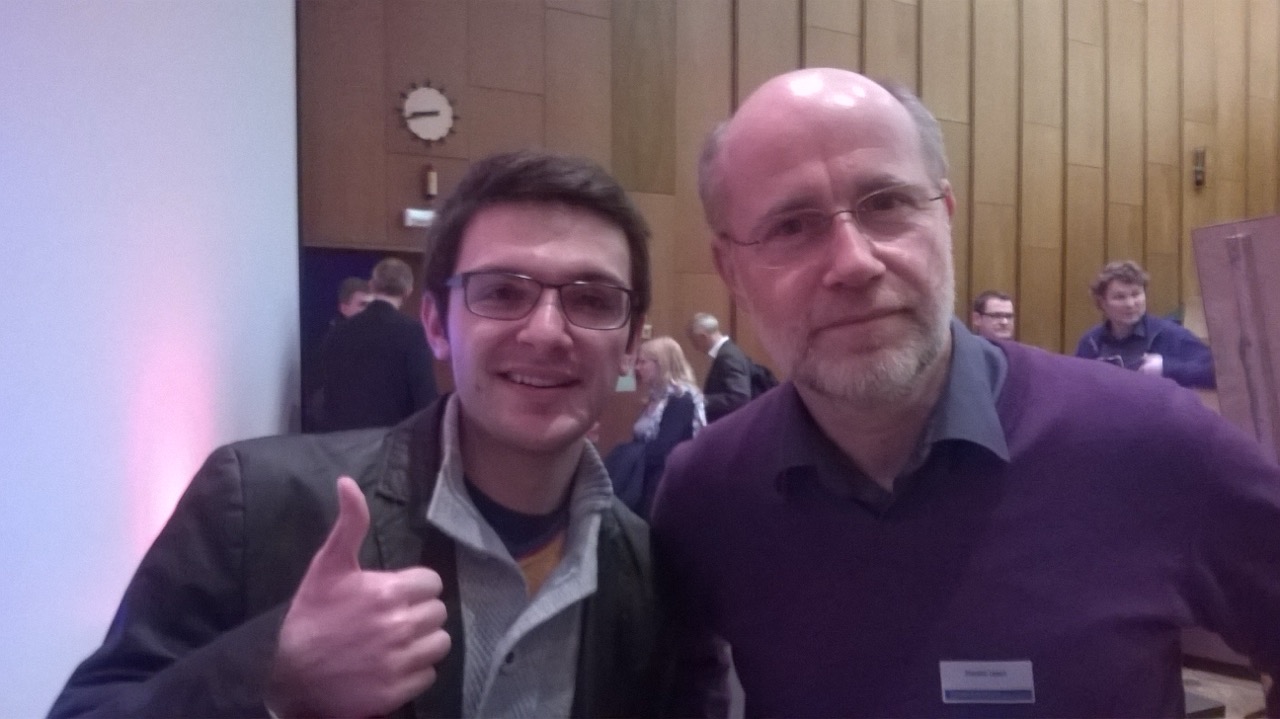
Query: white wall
pixel 148 290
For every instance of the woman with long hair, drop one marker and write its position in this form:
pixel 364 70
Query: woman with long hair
pixel 673 411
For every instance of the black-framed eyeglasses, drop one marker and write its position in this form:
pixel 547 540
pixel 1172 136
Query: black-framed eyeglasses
pixel 499 295
pixel 793 236
pixel 998 315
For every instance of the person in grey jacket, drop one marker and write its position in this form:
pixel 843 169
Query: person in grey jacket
pixel 472 560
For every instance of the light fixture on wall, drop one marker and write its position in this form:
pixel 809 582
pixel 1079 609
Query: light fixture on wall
pixel 1197 166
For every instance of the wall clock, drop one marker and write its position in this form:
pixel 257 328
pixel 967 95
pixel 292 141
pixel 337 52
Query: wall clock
pixel 427 113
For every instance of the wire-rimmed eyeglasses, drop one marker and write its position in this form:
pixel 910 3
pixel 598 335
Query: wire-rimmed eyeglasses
pixel 793 236
pixel 499 295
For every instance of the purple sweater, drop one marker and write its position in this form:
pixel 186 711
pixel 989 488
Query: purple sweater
pixel 1125 511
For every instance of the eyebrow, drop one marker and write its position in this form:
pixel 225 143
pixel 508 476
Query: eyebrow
pixel 589 275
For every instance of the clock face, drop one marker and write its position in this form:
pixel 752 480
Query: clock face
pixel 427 113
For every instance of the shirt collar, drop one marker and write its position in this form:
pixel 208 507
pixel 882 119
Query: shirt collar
pixel 965 413
pixel 453 512
pixel 715 348
pixel 1139 330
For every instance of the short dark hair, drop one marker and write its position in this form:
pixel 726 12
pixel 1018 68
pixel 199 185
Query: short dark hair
pixel 980 302
pixel 350 286
pixel 1126 271
pixel 393 277
pixel 538 177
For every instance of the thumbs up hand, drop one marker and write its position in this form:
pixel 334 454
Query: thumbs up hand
pixel 356 642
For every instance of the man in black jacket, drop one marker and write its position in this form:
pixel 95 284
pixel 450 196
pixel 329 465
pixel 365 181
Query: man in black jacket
pixel 470 561
pixel 728 383
pixel 375 368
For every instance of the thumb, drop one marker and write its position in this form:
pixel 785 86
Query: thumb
pixel 340 552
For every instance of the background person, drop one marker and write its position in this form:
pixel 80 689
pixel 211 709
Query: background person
pixel 992 315
pixel 673 412
pixel 353 296
pixel 375 367
pixel 478 564
pixel 921 523
pixel 728 384
pixel 1129 337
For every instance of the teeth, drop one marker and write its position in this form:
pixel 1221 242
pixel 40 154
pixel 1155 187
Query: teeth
pixel 534 381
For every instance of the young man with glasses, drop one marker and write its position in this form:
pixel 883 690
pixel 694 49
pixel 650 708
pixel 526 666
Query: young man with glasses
pixel 921 523
pixel 472 561
pixel 992 315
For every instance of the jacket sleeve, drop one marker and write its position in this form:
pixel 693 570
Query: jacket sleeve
pixel 180 643
pixel 1187 360
pixel 733 388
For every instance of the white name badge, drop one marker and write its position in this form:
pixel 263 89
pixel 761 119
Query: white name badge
pixel 987 682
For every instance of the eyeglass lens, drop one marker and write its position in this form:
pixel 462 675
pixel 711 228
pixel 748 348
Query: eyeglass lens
pixel 504 296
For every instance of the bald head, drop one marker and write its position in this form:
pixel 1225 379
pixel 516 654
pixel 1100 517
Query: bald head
pixel 827 98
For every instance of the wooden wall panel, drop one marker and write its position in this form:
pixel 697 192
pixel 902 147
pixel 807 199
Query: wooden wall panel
pixel 579 109
pixel 1163 97
pixel 501 121
pixel 426 40
pixel 768 41
pixel 1084 253
pixel 1198 204
pixel 955 135
pixel 505 41
pixel 703 97
pixel 840 15
pixel 1086 101
pixel 644 105
pixel 1231 84
pixel 945 48
pixel 1163 209
pixel 659 210
pixel 829 48
pixel 341 115
pixel 1039 299
pixel 1042 62
pixel 1124 231
pixel 995 101
pixel 891 44
pixel 1041 196
pixel 1085 21
pixel 1263 189
pixel 995 245
pixel 1198 97
pixel 1162 292
pixel 592 8
pixel 1126 52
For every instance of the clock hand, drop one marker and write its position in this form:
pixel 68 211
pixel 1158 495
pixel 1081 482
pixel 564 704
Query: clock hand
pixel 422 113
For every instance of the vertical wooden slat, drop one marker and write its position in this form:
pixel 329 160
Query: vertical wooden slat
pixel 644 116
pixel 945 51
pixel 579 110
pixel 995 145
pixel 1264 108
pixel 1199 106
pixel 833 33
pixel 890 42
pixel 1163 147
pixel 768 41
pixel 1085 225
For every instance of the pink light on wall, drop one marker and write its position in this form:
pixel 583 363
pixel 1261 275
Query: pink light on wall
pixel 170 420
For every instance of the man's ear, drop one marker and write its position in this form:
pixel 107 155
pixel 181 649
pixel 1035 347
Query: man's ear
pixel 436 327
pixel 722 255
pixel 948 198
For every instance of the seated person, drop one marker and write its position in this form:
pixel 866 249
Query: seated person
pixel 673 412
pixel 1128 337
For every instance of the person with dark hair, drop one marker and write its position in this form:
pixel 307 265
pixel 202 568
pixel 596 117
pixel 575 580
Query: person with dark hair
pixel 375 367
pixel 471 561
pixel 919 522
pixel 992 315
pixel 353 296
pixel 1128 337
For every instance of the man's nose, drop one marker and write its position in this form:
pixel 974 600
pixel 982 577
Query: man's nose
pixel 852 253
pixel 547 317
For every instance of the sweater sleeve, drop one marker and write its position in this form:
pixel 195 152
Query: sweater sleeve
pixel 1187 360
